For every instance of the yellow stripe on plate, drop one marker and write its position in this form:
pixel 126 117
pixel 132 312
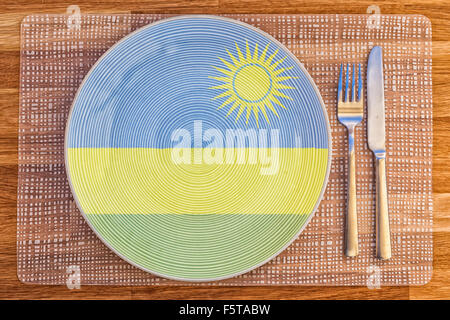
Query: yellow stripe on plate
pixel 154 181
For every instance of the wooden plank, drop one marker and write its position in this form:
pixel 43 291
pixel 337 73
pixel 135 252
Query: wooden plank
pixel 439 286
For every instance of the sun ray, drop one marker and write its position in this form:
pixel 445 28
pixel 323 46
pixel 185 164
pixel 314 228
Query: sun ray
pixel 234 106
pixel 263 110
pixel 281 70
pixel 255 54
pixel 227 102
pixel 241 57
pixel 222 95
pixel 241 109
pixel 272 108
pixel 279 79
pixel 263 54
pixel 223 79
pixel 249 111
pixel 280 94
pixel 252 82
pixel 282 86
pixel 275 64
pixel 269 60
pixel 255 111
pixel 225 72
pixel 222 86
pixel 235 61
pixel 247 51
pixel 225 62
pixel 274 99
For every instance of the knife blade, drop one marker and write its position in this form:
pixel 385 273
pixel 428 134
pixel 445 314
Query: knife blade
pixel 377 143
pixel 375 102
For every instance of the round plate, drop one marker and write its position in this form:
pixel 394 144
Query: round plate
pixel 198 148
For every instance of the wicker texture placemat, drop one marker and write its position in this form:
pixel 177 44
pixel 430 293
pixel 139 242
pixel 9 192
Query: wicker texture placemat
pixel 53 238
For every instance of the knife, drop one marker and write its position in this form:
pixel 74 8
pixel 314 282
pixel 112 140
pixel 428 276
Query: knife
pixel 376 139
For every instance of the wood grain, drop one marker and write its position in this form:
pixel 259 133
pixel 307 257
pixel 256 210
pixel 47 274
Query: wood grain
pixel 11 14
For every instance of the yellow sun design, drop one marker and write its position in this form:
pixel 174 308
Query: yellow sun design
pixel 252 82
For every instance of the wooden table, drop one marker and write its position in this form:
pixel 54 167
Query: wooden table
pixel 13 11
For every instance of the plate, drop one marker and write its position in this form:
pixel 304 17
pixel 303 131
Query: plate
pixel 197 148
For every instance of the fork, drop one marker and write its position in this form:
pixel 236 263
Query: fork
pixel 350 113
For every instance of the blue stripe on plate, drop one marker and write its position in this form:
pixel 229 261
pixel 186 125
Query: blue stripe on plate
pixel 158 80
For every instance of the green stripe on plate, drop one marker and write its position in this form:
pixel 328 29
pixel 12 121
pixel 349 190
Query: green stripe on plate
pixel 197 247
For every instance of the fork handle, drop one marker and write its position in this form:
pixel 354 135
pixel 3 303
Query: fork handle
pixel 382 212
pixel 351 224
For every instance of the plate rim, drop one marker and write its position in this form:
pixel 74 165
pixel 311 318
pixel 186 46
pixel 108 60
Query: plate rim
pixel 311 81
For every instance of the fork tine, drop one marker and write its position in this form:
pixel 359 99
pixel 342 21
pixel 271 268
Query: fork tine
pixel 346 95
pixel 359 83
pixel 340 85
pixel 353 83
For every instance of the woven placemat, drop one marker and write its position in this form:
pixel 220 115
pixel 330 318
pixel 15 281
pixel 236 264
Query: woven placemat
pixel 53 239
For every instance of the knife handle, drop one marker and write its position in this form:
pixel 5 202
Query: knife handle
pixel 382 211
pixel 351 223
